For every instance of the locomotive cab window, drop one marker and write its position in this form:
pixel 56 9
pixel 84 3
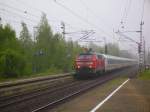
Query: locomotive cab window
pixel 85 56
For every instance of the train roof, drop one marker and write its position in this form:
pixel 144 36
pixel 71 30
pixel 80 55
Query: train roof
pixel 114 57
pixel 109 56
pixel 117 58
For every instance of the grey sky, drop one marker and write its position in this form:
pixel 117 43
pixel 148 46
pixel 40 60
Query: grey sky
pixel 104 16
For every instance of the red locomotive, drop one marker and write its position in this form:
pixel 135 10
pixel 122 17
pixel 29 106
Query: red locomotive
pixel 89 63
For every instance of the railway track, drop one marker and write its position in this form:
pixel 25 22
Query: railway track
pixel 9 90
pixel 83 88
pixel 32 80
pixel 22 90
pixel 43 100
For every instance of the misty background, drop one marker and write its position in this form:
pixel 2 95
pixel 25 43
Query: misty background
pixel 104 17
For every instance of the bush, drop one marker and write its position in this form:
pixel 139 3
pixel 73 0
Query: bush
pixel 53 70
pixel 12 63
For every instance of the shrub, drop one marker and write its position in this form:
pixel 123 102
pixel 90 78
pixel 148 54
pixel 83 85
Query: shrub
pixel 53 70
pixel 12 63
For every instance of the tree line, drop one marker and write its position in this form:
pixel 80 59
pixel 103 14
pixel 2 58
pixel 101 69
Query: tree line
pixel 47 52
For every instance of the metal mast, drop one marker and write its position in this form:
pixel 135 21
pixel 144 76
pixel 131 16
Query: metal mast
pixel 141 48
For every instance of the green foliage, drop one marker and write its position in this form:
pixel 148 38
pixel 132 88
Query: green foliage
pixel 7 38
pixel 50 52
pixel 25 37
pixel 27 47
pixel 11 63
pixel 43 46
pixel 53 70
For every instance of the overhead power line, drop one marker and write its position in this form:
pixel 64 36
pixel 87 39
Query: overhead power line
pixel 21 16
pixel 125 13
pixel 142 14
pixel 94 14
pixel 19 10
pixel 81 18
pixel 37 10
pixel 17 22
pixel 25 12
pixel 121 34
pixel 33 15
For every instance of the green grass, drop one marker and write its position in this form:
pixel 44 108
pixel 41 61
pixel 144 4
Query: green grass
pixel 145 75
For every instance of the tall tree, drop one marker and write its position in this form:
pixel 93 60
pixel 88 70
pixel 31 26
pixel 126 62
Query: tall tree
pixel 43 44
pixel 27 44
pixel 11 59
pixel 25 36
pixel 7 38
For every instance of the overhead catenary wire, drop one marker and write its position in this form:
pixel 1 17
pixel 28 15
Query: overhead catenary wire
pixel 142 13
pixel 125 14
pixel 28 13
pixel 80 17
pixel 17 22
pixel 21 16
pixel 123 20
pixel 94 14
pixel 19 10
pixel 30 22
pixel 38 10
pixel 126 11
pixel 25 12
pixel 98 18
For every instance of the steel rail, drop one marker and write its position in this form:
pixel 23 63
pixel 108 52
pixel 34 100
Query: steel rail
pixel 32 80
pixel 86 87
pixel 33 94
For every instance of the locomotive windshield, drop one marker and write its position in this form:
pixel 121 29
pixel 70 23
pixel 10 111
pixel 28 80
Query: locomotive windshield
pixel 85 56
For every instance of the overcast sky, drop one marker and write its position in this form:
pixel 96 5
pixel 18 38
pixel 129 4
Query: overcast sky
pixel 102 16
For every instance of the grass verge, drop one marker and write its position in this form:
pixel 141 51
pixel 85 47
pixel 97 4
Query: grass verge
pixel 145 75
pixel 46 73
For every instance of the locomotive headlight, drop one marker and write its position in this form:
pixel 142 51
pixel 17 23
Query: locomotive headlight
pixel 78 66
pixel 90 66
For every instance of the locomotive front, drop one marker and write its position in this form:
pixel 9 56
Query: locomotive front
pixel 85 63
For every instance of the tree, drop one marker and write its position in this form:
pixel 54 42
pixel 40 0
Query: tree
pixel 11 59
pixel 52 51
pixel 7 38
pixel 25 37
pixel 12 63
pixel 43 52
pixel 27 45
